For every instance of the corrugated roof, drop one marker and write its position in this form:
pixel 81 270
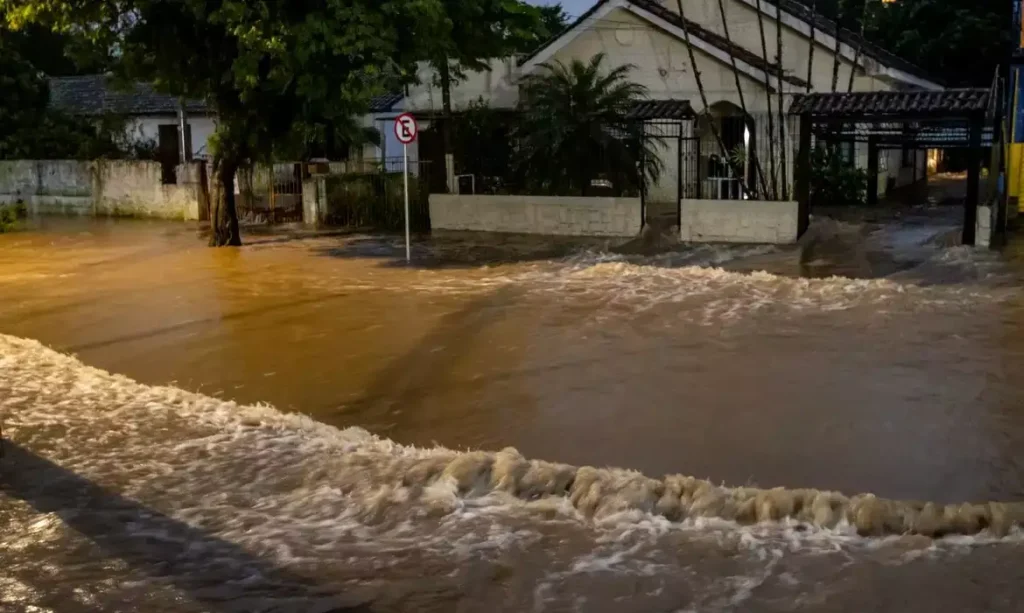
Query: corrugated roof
pixel 98 95
pixel 921 102
pixel 661 109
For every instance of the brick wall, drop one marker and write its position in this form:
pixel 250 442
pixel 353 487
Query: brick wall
pixel 738 221
pixel 550 215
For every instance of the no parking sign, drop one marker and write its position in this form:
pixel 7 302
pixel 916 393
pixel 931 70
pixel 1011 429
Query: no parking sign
pixel 406 130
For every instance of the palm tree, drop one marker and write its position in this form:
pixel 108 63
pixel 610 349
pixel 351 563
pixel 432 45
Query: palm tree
pixel 574 129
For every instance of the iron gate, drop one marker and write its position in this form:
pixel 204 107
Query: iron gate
pixel 677 150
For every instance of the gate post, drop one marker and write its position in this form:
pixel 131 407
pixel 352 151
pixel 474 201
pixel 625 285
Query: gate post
pixel 803 175
pixel 872 195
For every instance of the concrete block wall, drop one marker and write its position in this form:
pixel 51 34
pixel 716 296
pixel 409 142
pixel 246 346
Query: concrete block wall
pixel 549 215
pixel 985 226
pixel 102 187
pixel 739 221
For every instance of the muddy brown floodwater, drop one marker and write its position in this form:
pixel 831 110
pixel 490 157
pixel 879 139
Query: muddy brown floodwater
pixel 878 361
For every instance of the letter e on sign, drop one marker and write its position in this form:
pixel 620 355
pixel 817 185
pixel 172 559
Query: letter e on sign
pixel 406 128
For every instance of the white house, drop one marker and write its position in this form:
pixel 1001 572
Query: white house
pixel 152 117
pixel 650 34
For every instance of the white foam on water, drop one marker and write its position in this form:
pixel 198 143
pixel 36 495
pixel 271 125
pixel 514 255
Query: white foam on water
pixel 704 293
pixel 299 492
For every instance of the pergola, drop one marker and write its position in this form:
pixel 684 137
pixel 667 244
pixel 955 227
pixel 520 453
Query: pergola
pixel 946 119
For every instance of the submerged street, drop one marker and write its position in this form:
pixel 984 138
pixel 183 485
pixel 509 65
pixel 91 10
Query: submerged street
pixel 876 359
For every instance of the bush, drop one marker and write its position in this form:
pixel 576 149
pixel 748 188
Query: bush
pixel 835 181
pixel 377 200
pixel 9 216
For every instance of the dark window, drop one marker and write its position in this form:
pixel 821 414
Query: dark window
pixel 168 152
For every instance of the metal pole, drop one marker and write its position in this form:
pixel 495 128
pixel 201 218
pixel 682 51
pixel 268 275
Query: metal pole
pixel 405 174
pixel 185 154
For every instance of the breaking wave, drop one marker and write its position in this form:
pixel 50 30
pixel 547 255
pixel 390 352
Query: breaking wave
pixel 113 429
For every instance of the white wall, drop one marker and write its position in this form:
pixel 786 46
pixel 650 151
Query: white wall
pixel 548 215
pixel 116 188
pixel 661 60
pixel 496 85
pixel 739 221
pixel 147 128
pixel 744 30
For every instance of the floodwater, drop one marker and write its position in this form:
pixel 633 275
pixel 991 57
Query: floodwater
pixel 875 360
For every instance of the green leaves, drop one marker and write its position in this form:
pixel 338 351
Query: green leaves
pixel 959 42
pixel 580 107
pixel 267 67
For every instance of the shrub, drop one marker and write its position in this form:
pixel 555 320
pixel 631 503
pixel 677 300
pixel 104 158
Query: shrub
pixel 9 216
pixel 377 200
pixel 835 181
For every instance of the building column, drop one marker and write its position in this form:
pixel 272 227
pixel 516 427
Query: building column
pixel 973 180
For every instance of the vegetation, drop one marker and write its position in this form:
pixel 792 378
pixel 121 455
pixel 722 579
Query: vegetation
pixel 960 42
pixel 474 31
pixel 261 65
pixel 573 129
pixel 836 181
pixel 29 129
pixel 9 216
pixel 483 145
pixel 370 200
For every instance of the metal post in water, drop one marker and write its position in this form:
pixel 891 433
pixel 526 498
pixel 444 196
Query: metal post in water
pixel 405 175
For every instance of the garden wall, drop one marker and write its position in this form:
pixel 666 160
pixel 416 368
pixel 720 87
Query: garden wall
pixel 739 221
pixel 115 188
pixel 551 215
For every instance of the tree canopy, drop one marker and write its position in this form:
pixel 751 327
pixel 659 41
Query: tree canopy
pixel 29 129
pixel 268 68
pixel 958 42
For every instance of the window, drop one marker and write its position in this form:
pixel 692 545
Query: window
pixel 846 152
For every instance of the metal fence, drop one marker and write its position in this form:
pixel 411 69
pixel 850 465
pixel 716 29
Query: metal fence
pixel 500 158
pixel 371 194
pixel 270 193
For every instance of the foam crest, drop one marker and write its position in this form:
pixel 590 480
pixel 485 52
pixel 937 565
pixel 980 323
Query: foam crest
pixel 43 389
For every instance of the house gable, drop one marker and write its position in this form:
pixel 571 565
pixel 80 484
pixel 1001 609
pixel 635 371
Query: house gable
pixel 660 59
pixel 877 68
pixel 645 34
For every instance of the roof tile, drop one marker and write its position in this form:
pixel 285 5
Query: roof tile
pixel 944 102
pixel 660 109
pixel 99 95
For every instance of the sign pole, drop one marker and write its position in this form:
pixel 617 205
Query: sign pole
pixel 406 130
pixel 405 174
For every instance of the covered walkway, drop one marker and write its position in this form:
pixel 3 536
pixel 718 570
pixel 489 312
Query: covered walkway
pixel 948 119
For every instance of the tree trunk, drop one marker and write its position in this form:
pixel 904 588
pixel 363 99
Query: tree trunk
pixel 704 99
pixel 446 124
pixel 224 216
pixel 204 191
pixel 810 46
pixel 835 54
pixel 860 44
pixel 759 176
pixel 772 168
pixel 784 168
